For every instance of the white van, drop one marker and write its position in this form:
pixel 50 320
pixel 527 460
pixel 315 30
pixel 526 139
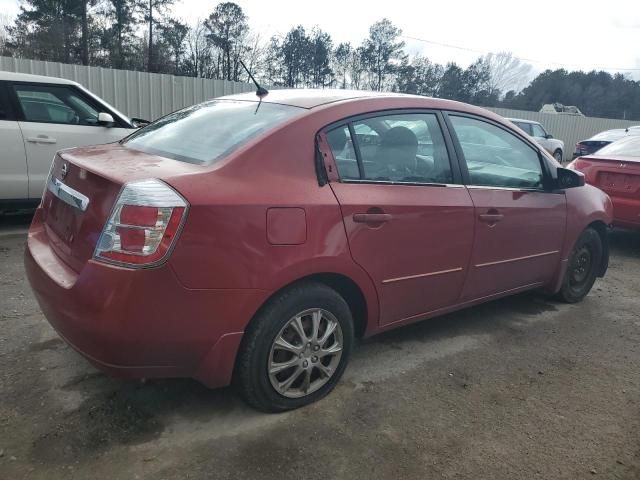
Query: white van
pixel 39 116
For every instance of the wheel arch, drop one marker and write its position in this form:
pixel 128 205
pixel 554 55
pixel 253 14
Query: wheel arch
pixel 345 286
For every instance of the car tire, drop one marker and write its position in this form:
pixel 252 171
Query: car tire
pixel 558 155
pixel 582 269
pixel 273 340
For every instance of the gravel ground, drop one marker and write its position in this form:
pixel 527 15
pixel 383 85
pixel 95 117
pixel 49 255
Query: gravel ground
pixel 519 388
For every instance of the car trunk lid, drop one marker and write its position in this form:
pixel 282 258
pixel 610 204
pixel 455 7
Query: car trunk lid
pixel 82 188
pixel 618 176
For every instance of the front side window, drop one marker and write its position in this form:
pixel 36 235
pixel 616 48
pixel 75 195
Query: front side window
pixel 496 157
pixel 405 148
pixel 538 131
pixel 55 104
pixel 207 132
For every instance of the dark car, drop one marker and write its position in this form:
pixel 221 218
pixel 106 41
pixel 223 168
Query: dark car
pixel 255 239
pixel 616 170
pixel 602 139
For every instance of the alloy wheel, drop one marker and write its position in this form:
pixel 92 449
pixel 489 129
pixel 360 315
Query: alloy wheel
pixel 306 353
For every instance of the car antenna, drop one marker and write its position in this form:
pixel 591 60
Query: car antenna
pixel 260 91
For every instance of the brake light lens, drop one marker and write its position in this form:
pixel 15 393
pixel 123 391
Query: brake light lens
pixel 143 225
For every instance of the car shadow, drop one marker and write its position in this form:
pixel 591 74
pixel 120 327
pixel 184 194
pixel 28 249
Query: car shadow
pixel 625 242
pixel 122 412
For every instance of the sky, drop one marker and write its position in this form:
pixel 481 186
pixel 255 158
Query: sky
pixel 577 35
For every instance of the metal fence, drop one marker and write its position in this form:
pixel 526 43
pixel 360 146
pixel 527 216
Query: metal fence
pixel 151 95
pixel 568 128
pixel 136 94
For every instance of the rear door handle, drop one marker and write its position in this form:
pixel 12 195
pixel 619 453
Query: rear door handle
pixel 371 217
pixel 491 217
pixel 41 139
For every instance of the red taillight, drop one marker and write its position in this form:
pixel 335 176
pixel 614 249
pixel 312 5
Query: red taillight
pixel 142 216
pixel 143 224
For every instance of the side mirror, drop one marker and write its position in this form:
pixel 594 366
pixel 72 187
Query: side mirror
pixel 569 179
pixel 548 136
pixel 105 119
pixel 139 122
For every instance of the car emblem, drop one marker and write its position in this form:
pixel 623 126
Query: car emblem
pixel 64 170
pixel 622 165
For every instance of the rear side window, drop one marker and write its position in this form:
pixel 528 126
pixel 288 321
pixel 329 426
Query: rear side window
pixel 405 148
pixel 496 157
pixel 208 132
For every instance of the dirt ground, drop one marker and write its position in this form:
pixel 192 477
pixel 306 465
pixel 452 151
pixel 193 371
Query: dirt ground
pixel 520 388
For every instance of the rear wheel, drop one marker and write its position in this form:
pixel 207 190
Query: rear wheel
pixel 582 270
pixel 558 155
pixel 296 349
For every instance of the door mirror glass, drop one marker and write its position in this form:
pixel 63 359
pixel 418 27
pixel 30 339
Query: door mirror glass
pixel 569 179
pixel 105 119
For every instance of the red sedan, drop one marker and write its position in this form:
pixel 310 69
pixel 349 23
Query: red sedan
pixel 616 170
pixel 254 239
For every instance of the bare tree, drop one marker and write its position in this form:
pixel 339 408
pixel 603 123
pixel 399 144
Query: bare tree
pixel 5 21
pixel 507 72
pixel 198 61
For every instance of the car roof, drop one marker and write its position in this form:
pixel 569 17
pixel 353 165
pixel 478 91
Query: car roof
pixel 522 120
pixel 310 98
pixel 26 77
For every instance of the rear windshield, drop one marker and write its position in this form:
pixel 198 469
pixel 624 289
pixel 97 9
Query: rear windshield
pixel 208 132
pixel 629 147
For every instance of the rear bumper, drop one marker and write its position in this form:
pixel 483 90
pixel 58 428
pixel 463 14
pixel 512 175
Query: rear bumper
pixel 139 323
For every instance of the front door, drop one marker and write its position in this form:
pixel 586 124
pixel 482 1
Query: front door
pixel 409 225
pixel 55 117
pixel 14 184
pixel 520 227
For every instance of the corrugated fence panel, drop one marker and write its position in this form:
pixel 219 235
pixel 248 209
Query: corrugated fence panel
pixel 568 128
pixel 136 94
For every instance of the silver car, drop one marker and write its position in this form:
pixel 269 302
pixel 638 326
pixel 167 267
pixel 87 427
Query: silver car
pixel 535 129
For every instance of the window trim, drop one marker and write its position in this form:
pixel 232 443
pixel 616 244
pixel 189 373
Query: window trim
pixel 99 107
pixel 5 98
pixel 449 145
pixel 462 162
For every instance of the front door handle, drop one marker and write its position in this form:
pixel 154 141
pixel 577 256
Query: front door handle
pixel 41 139
pixel 371 217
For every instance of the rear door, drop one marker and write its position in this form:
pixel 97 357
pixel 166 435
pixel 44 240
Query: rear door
pixel 55 117
pixel 520 226
pixel 408 219
pixel 13 162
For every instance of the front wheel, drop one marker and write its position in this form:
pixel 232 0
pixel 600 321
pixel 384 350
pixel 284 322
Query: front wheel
pixel 582 270
pixel 296 349
pixel 558 156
